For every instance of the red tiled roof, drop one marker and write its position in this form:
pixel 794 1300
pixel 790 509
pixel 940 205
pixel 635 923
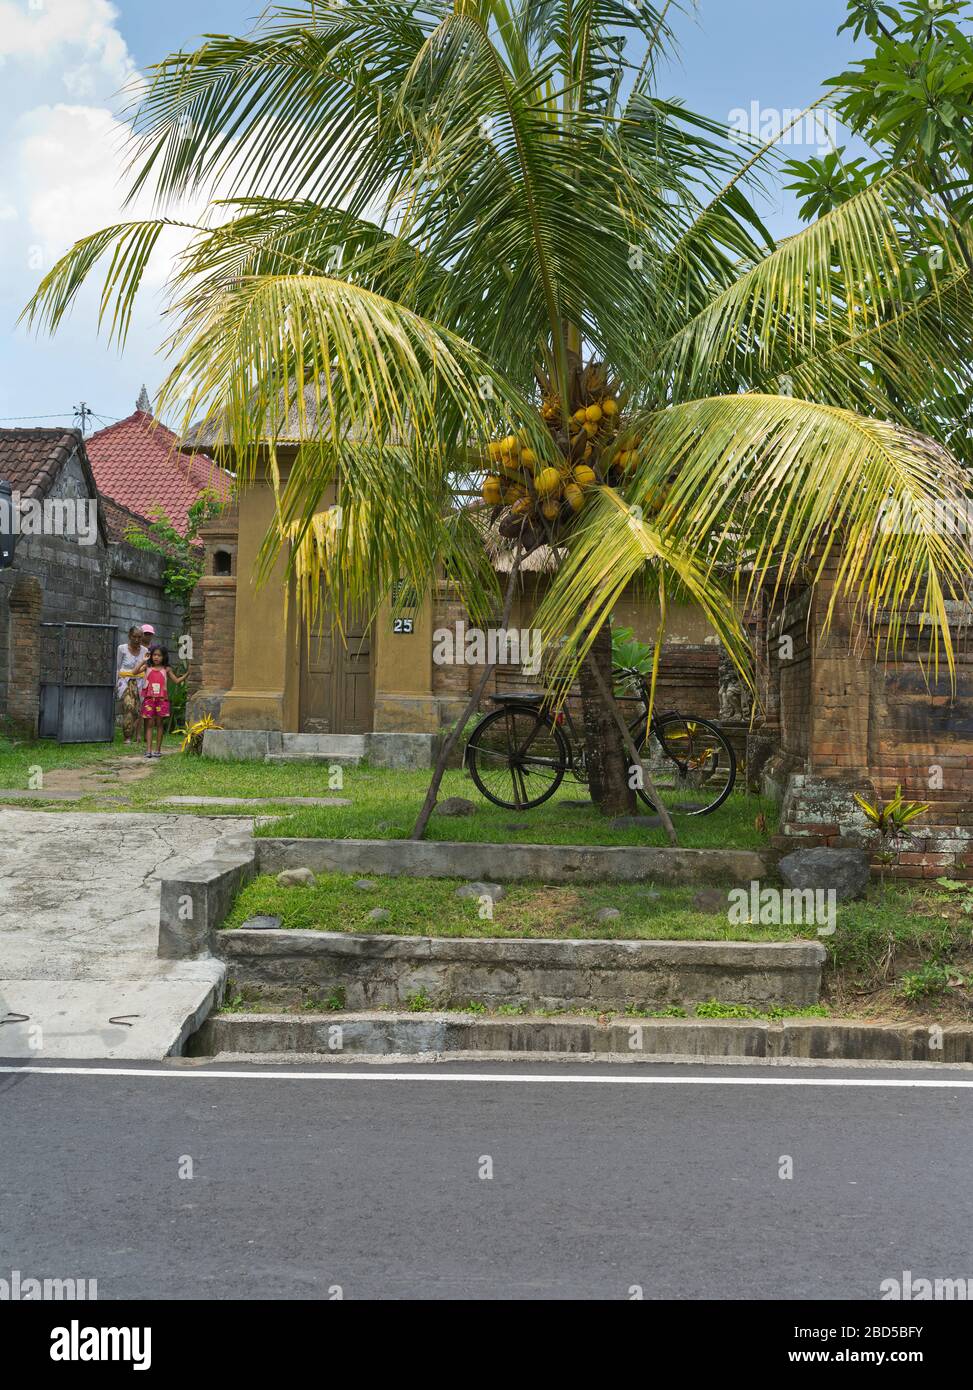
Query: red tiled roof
pixel 138 463
pixel 118 518
pixel 30 460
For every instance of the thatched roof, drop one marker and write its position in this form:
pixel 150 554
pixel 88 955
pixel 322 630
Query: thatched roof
pixel 544 560
pixel 209 435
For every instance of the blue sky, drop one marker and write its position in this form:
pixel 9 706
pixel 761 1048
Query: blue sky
pixel 62 62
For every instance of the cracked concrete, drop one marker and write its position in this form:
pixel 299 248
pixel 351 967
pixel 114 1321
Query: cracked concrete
pixel 79 919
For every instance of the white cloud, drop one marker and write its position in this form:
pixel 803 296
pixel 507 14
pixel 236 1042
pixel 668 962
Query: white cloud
pixel 62 176
pixel 79 39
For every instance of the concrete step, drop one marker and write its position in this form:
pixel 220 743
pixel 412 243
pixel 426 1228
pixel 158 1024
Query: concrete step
pixel 72 1018
pixel 283 1036
pixel 321 759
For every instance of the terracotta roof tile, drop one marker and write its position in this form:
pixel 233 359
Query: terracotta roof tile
pixel 138 464
pixel 30 460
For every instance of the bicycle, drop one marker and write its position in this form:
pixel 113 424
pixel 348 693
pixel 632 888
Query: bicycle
pixel 518 755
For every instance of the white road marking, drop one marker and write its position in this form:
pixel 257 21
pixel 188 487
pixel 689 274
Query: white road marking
pixel 945 1083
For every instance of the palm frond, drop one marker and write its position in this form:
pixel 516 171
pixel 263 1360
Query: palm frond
pixel 777 488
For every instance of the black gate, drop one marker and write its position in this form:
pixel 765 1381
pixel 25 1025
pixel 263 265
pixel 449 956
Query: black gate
pixel 77 682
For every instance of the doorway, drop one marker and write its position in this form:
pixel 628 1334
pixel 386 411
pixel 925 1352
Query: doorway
pixel 337 686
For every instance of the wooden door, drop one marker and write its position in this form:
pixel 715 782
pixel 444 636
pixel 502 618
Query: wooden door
pixel 336 677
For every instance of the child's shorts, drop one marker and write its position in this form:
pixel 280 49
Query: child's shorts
pixel 155 707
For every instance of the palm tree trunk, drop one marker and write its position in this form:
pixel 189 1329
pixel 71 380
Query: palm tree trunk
pixel 419 829
pixel 605 754
pixel 636 759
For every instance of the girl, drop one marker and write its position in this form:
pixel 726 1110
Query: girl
pixel 155 699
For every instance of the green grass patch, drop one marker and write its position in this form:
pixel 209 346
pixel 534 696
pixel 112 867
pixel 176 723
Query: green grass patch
pixel 429 907
pixel 385 805
pixel 20 757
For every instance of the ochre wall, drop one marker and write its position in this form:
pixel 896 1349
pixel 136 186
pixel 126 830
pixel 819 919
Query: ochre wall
pixel 411 693
pixel 266 656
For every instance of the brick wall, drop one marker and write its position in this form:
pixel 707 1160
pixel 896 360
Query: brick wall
pixel 23 655
pixel 857 715
pixel 80 583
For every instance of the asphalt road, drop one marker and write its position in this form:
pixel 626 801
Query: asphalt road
pixel 604 1180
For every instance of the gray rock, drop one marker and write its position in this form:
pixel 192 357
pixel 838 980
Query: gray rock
pixel 844 870
pixel 379 914
pixel 261 924
pixel 648 895
pixel 293 878
pixel 481 890
pixel 454 806
pixel 712 900
pixel 607 914
pixel 636 823
pixel 365 884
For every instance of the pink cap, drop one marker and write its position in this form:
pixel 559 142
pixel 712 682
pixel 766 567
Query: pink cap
pixel 147 627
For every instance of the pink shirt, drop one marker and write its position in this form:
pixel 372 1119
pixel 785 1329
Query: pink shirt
pixel 156 682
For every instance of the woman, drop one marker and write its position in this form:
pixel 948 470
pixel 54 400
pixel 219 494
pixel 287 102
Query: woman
pixel 130 655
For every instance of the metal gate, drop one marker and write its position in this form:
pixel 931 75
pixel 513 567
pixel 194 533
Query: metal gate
pixel 77 682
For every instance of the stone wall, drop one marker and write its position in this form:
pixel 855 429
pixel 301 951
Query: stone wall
pixel 76 583
pixel 386 971
pixel 138 596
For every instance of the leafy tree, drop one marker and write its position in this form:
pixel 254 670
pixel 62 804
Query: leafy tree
pixel 451 225
pixel 183 564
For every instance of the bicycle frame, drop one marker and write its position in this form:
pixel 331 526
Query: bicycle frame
pixel 639 729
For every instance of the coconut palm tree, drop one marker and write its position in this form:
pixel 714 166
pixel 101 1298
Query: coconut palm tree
pixel 429 224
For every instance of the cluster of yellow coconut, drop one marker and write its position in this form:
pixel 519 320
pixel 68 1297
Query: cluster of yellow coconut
pixel 534 488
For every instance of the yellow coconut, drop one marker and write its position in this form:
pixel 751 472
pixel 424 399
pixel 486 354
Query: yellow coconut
pixel 593 414
pixel 492 490
pixel 496 448
pixel 551 509
pixel 581 415
pixel 590 428
pixel 528 458
pixel 575 496
pixel 511 445
pixel 609 407
pixel 522 506
pixel 584 476
pixel 547 482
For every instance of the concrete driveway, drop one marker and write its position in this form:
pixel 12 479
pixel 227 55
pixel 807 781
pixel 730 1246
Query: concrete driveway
pixel 79 918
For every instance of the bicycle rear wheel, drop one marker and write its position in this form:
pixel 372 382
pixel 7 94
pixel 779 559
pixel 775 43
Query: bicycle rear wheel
pixel 692 764
pixel 517 757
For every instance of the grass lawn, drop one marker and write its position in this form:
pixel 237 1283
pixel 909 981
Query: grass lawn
pixel 903 953
pixel 429 907
pixel 385 805
pixel 18 757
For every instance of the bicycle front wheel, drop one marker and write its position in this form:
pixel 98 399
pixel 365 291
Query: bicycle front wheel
pixel 692 764
pixel 517 757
